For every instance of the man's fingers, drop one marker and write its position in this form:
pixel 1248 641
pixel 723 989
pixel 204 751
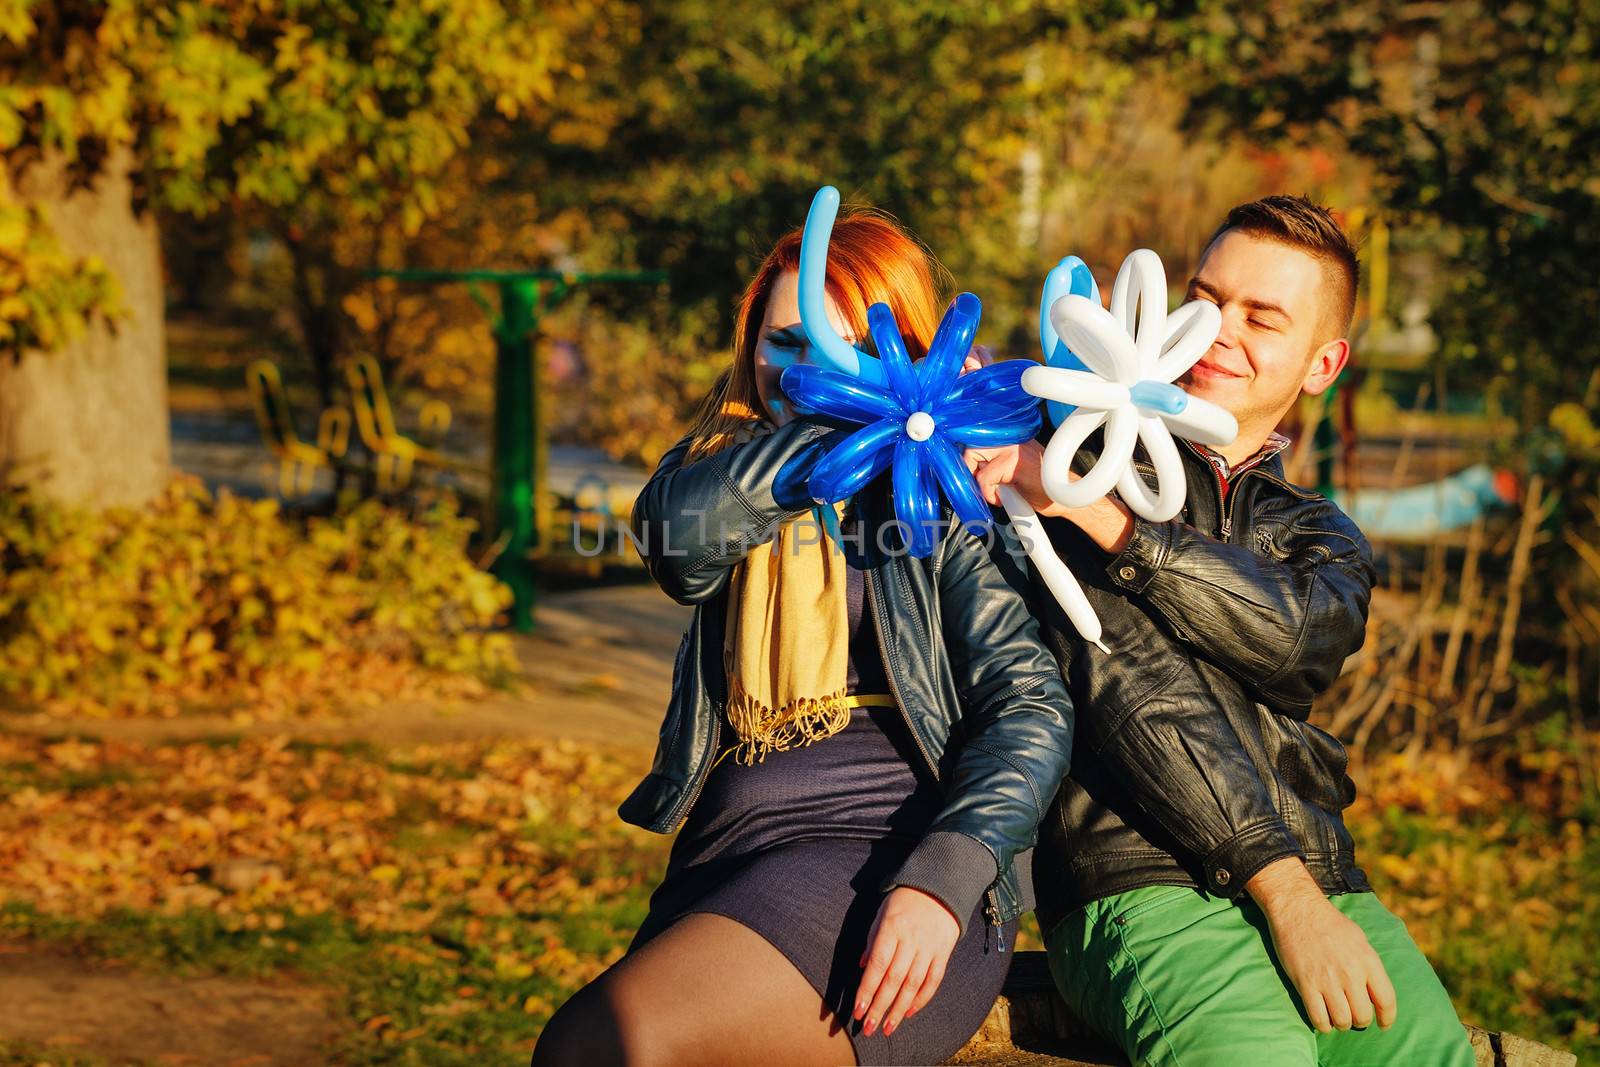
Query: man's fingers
pixel 1383 999
pixel 995 470
pixel 988 479
pixel 1360 1007
pixel 907 996
pixel 1316 1011
pixel 1338 1008
pixel 894 977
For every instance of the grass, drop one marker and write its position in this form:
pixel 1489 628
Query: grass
pixel 1496 871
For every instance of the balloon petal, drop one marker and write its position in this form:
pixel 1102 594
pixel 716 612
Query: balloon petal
pixel 1070 276
pixel 818 390
pixel 995 396
pixel 1077 387
pixel 1204 423
pixel 1171 485
pixel 1065 358
pixel 1000 383
pixel 1139 303
pixel 901 378
pixel 1122 429
pixel 995 378
pixel 937 370
pixel 1096 337
pixel 914 504
pixel 854 462
pixel 956 481
pixel 826 344
pixel 993 434
pixel 1191 330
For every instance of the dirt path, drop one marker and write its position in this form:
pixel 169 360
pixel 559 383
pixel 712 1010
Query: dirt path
pixel 59 1001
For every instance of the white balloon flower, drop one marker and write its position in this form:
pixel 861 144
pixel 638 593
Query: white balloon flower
pixel 1133 355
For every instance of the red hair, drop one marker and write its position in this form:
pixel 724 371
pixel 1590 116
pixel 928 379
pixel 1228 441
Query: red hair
pixel 871 260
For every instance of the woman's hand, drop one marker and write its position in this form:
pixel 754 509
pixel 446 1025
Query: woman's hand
pixel 977 359
pixel 907 949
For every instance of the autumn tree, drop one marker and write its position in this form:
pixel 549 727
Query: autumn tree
pixel 1480 123
pixel 690 135
pixel 307 120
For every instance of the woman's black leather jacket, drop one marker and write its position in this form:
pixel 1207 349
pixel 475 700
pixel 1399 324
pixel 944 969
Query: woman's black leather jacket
pixel 982 696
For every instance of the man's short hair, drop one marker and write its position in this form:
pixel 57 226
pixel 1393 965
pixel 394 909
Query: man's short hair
pixel 1299 223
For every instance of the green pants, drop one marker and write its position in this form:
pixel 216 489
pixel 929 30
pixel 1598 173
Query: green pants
pixel 1180 978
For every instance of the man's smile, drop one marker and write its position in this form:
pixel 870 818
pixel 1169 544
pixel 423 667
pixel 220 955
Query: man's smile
pixel 1207 369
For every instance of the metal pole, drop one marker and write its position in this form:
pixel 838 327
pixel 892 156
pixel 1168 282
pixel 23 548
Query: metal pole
pixel 519 512
pixel 512 466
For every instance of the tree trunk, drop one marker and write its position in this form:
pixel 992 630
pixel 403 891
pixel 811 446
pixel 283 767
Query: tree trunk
pixel 88 423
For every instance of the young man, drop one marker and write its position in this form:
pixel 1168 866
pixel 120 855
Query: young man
pixel 1197 886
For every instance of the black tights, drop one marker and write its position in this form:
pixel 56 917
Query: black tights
pixel 706 991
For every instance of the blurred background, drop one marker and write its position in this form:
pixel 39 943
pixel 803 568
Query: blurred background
pixel 336 339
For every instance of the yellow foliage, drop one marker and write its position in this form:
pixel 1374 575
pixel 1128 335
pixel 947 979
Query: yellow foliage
pixel 261 829
pixel 242 101
pixel 139 609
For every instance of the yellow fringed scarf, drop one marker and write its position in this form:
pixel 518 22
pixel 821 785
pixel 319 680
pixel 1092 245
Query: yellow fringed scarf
pixel 787 645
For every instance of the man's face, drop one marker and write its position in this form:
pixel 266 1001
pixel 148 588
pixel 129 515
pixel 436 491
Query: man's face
pixel 1272 344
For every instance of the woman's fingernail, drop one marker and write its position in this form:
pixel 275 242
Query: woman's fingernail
pixel 888 1028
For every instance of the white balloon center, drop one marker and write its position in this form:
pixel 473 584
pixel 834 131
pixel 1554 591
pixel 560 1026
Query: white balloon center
pixel 919 427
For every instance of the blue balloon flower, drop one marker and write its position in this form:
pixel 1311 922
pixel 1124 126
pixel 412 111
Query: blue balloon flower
pixel 916 421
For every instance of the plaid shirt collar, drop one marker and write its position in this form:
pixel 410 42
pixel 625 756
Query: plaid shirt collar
pixel 1275 443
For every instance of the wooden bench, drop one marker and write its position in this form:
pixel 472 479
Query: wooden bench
pixel 1030 1026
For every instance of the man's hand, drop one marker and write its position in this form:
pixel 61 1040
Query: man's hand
pixel 1339 977
pixel 907 949
pixel 1107 521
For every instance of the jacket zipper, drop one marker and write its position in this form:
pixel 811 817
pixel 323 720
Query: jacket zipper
pixel 700 778
pixel 1225 497
pixel 991 903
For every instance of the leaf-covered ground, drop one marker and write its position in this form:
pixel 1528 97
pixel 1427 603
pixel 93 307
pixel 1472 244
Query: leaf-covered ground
pixel 454 894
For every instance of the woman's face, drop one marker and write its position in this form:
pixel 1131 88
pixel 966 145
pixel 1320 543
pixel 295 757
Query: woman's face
pixel 782 342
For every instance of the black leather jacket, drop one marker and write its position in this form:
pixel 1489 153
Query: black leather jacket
pixel 983 697
pixel 1195 764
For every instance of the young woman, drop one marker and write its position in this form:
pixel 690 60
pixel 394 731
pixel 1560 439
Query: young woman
pixel 859 744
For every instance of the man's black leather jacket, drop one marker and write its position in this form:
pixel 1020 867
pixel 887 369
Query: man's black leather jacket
pixel 983 698
pixel 1195 764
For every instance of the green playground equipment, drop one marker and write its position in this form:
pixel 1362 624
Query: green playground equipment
pixel 519 520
